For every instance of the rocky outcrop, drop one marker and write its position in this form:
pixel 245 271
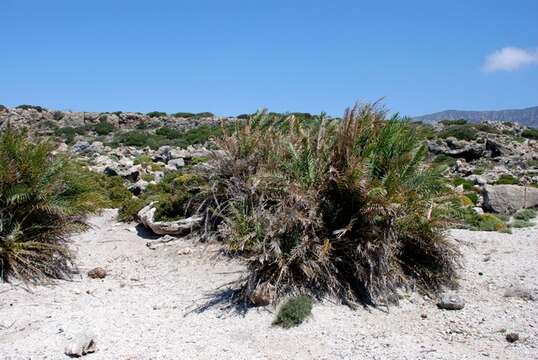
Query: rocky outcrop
pixel 509 198
pixel 177 227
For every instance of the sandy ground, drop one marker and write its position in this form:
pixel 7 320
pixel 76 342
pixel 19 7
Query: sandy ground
pixel 145 308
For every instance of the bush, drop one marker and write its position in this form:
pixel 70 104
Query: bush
pixel 517 223
pixel 129 209
pixel 168 133
pixel 345 209
pixel 294 311
pixel 460 132
pixel 185 115
pixel 58 115
pixel 103 127
pixel 490 222
pixel 467 184
pixel 530 133
pixel 42 201
pixel 67 133
pixel 525 214
pixel 155 114
pixel 31 107
pixel 448 122
pixel 507 180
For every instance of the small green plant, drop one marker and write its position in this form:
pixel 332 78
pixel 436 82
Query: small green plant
pixel 490 222
pixel 168 133
pixel 103 127
pixel 185 115
pixel 293 311
pixel 467 184
pixel 525 214
pixel 129 209
pixel 516 223
pixel 31 107
pixel 155 114
pixel 507 180
pixel 449 122
pixel 530 133
pixel 67 133
pixel 460 132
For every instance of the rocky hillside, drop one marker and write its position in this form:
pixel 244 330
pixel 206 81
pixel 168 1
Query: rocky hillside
pixel 527 117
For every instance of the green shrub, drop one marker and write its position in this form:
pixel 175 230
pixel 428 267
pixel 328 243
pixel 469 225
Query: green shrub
pixel 344 209
pixel 129 209
pixel 186 115
pixel 58 115
pixel 507 180
pixel 444 159
pixel 490 222
pixel 42 201
pixel 525 214
pixel 155 114
pixel 103 127
pixel 67 133
pixel 467 184
pixel 204 115
pixel 448 122
pixel 135 138
pixel 530 133
pixel 168 133
pixel 460 132
pixel 294 311
pixel 487 128
pixel 472 196
pixel 517 223
pixel 31 107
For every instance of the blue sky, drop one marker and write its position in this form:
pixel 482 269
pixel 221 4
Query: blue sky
pixel 236 56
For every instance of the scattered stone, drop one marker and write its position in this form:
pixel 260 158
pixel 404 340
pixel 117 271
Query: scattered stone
pixel 184 251
pixel 451 301
pixel 81 344
pixel 519 292
pixel 512 337
pixel 97 273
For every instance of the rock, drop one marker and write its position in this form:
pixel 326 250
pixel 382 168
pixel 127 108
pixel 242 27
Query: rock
pixel 81 344
pixel 184 251
pixel 509 198
pixel 138 187
pixel 262 295
pixel 451 301
pixel 457 148
pixel 478 210
pixel 519 292
pixel 512 337
pixel 81 146
pixel 97 273
pixel 175 164
pixel 177 227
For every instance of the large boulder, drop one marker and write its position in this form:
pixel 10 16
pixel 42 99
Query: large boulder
pixel 177 227
pixel 509 198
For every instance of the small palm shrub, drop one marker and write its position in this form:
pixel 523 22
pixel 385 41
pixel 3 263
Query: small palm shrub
pixel 42 200
pixel 343 208
pixel 294 311
pixel 507 180
pixel 155 114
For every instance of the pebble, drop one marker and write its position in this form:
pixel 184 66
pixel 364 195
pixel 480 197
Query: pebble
pixel 451 301
pixel 97 273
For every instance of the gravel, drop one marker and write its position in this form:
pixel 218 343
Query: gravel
pixel 151 306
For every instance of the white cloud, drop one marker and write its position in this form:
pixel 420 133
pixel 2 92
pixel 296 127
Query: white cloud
pixel 510 58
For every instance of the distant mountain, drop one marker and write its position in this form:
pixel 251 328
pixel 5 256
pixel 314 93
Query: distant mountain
pixel 528 116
